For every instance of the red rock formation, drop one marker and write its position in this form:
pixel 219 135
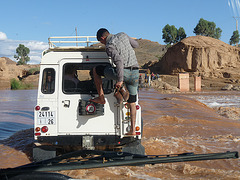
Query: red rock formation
pixel 206 56
pixel 9 70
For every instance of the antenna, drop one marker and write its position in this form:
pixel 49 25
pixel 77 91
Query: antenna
pixel 76 36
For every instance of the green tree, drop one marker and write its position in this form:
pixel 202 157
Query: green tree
pixel 172 35
pixel 169 34
pixel 22 54
pixel 181 34
pixel 218 33
pixel 235 38
pixel 201 28
pixel 207 28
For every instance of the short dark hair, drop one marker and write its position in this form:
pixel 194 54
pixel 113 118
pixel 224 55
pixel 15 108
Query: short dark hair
pixel 101 32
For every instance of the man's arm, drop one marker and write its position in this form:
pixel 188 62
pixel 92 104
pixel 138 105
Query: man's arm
pixel 118 61
pixel 133 42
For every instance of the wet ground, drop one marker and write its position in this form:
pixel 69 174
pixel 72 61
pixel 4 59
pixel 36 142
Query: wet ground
pixel 173 124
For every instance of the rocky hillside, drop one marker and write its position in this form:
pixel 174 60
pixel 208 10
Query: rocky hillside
pixel 149 51
pixel 9 70
pixel 201 55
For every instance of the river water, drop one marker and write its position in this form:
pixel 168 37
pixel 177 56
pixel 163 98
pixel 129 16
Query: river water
pixel 16 111
pixel 173 124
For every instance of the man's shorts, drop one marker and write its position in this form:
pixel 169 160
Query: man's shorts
pixel 130 78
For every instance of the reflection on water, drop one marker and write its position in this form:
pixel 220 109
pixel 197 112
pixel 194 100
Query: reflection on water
pixel 16 111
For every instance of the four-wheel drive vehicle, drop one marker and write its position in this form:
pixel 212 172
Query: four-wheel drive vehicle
pixel 64 118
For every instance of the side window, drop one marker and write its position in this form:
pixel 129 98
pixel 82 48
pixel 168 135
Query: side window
pixel 48 81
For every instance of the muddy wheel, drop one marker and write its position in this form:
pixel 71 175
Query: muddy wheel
pixel 41 153
pixel 135 147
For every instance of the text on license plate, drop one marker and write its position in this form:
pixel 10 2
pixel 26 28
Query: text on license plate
pixel 46 117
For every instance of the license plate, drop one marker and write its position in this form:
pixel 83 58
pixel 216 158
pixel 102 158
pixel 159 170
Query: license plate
pixel 46 117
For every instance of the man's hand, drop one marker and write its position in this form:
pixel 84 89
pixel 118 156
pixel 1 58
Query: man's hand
pixel 119 84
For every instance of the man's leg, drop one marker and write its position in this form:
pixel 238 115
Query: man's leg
pixel 131 79
pixel 98 83
pixel 133 112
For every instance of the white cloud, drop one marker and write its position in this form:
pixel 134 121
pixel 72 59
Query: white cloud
pixel 8 48
pixel 3 36
pixel 36 45
pixel 35 59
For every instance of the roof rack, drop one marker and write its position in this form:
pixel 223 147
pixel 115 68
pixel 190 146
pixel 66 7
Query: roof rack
pixel 71 40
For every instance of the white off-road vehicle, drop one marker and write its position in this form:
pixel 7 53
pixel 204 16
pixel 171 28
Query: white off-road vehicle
pixel 64 118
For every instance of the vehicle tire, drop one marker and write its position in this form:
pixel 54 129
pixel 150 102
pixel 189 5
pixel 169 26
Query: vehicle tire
pixel 134 147
pixel 41 153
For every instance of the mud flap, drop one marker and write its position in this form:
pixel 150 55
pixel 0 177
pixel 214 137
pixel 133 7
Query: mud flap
pixel 41 153
pixel 135 147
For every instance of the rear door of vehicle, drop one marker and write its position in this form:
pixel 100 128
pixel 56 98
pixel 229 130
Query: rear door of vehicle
pixel 71 122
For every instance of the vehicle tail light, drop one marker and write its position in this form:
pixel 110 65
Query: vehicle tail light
pixel 137 128
pixel 138 133
pixel 37 129
pixel 37 108
pixel 128 114
pixel 38 134
pixel 44 129
pixel 137 107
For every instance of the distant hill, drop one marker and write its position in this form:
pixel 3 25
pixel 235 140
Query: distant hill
pixel 149 51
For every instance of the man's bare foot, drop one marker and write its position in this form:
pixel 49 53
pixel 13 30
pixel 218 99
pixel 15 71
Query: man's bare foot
pixel 99 100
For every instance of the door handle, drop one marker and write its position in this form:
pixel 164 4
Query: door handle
pixel 66 103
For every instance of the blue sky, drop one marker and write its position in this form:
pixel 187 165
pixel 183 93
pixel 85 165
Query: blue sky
pixel 31 22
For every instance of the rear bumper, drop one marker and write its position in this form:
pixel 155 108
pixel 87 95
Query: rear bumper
pixel 78 140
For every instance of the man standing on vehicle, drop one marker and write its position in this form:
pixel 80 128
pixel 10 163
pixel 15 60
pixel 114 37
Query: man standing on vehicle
pixel 120 48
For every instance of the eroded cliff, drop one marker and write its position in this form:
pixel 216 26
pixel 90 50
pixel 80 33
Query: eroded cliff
pixel 9 70
pixel 202 55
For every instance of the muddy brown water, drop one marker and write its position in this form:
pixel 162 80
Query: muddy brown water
pixel 173 124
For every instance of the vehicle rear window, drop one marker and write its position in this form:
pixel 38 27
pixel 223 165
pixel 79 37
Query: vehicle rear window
pixel 48 81
pixel 78 79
